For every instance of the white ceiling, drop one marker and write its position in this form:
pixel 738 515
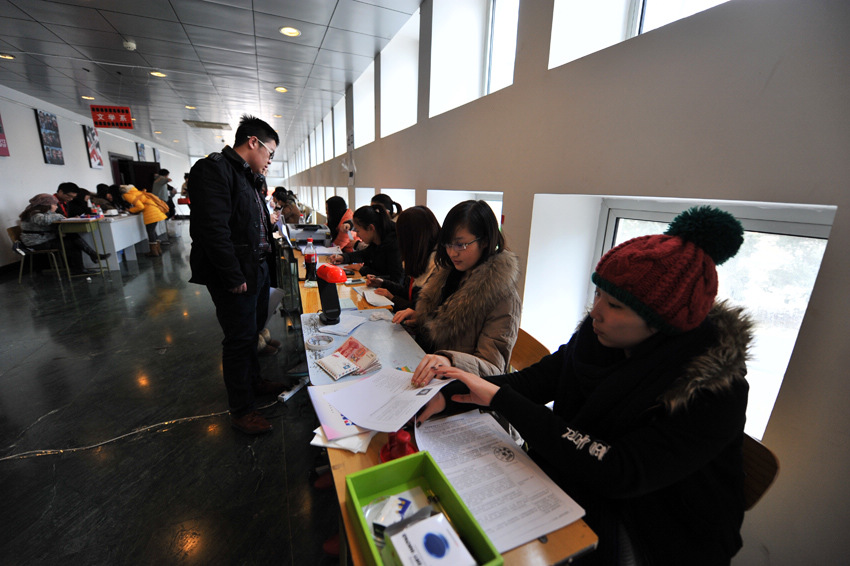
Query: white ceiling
pixel 225 57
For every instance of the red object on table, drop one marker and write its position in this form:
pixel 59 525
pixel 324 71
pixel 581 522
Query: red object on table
pixel 397 446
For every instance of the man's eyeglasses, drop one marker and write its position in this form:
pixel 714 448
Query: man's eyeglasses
pixel 459 247
pixel 271 153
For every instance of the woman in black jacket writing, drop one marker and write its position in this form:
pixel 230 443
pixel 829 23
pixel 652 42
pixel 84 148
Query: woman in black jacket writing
pixel 649 399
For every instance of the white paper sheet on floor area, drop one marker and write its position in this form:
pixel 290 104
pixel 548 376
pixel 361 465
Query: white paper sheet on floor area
pixel 512 499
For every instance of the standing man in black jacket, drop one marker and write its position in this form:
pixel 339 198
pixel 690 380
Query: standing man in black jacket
pixel 233 255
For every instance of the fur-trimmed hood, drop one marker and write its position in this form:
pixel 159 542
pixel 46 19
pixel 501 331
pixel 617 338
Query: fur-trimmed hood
pixel 719 366
pixel 486 288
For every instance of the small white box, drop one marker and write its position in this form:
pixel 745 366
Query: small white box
pixel 429 542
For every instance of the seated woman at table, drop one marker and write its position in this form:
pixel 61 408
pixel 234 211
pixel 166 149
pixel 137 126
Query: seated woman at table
pixel 80 204
pixel 392 207
pixel 467 313
pixel 339 219
pixel 381 257
pixel 153 209
pixel 102 198
pixel 649 399
pixel 418 234
pixel 39 231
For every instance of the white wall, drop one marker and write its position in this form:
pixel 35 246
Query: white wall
pixel 25 174
pixel 746 101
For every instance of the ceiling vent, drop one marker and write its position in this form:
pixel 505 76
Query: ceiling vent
pixel 208 125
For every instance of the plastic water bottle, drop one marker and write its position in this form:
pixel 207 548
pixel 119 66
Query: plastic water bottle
pixel 310 260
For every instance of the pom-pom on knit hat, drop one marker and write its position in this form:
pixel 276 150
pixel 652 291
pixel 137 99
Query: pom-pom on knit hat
pixel 670 279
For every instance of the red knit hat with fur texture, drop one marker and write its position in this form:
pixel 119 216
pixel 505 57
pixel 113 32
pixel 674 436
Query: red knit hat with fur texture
pixel 670 279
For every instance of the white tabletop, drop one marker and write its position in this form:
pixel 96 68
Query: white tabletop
pixel 392 344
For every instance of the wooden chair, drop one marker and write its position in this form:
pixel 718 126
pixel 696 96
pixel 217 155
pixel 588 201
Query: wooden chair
pixel 527 351
pixel 15 235
pixel 760 469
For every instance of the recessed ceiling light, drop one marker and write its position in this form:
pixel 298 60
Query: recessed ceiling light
pixel 278 116
pixel 158 74
pixel 87 97
pixel 190 107
pixel 290 31
pixel 6 56
pixel 281 89
pixel 176 141
pixel 157 132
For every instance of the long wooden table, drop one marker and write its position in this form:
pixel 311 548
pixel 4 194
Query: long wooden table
pixel 556 547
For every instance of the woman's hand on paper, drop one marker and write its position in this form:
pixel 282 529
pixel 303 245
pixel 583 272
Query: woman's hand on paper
pixel 427 369
pixel 481 391
pixel 335 259
pixel 406 317
pixel 372 281
pixel 384 293
pixel 437 404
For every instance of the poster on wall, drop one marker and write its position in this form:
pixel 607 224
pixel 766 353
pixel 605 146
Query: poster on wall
pixel 4 147
pixel 140 151
pixel 93 147
pixel 48 129
pixel 156 155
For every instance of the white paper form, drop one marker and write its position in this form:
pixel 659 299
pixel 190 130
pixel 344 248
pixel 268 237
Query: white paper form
pixel 357 443
pixel 347 323
pixel 384 401
pixel 512 499
pixel 334 424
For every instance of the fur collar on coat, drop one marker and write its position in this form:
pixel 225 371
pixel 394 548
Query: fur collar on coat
pixel 484 288
pixel 719 366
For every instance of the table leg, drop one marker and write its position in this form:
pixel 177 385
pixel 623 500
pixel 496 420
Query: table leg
pixel 64 254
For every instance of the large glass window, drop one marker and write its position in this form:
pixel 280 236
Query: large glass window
pixel 400 79
pixel 441 201
pixel 473 48
pixel 328 126
pixel 404 197
pixel 362 197
pixel 364 107
pixel 320 144
pixel 772 276
pixel 583 27
pixel 659 13
pixel 340 133
pixel 505 19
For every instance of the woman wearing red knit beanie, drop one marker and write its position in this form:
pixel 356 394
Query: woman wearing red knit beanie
pixel 649 399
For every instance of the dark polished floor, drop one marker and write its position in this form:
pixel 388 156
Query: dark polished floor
pixel 115 445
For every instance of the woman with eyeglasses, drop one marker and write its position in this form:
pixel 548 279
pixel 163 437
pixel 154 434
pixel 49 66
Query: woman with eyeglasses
pixel 467 313
pixel 382 257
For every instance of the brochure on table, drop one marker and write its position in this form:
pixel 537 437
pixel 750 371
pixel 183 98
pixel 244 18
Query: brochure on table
pixel 512 499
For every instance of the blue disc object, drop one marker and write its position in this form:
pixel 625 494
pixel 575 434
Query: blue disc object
pixel 436 545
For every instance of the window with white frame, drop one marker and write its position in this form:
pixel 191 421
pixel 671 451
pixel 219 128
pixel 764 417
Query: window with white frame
pixel 441 201
pixel 328 125
pixel 583 27
pixel 473 48
pixel 319 134
pixel 364 107
pixel 362 197
pixel 772 276
pixel 400 79
pixel 404 197
pixel 340 135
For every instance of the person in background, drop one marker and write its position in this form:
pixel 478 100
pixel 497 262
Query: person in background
pixel 381 257
pixel 102 198
pixel 153 211
pixel 184 189
pixel 116 197
pixel 160 185
pixel 286 205
pixel 80 204
pixel 650 400
pixel 418 234
pixel 467 313
pixel 39 231
pixel 233 255
pixel 392 207
pixel 65 192
pixel 339 217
